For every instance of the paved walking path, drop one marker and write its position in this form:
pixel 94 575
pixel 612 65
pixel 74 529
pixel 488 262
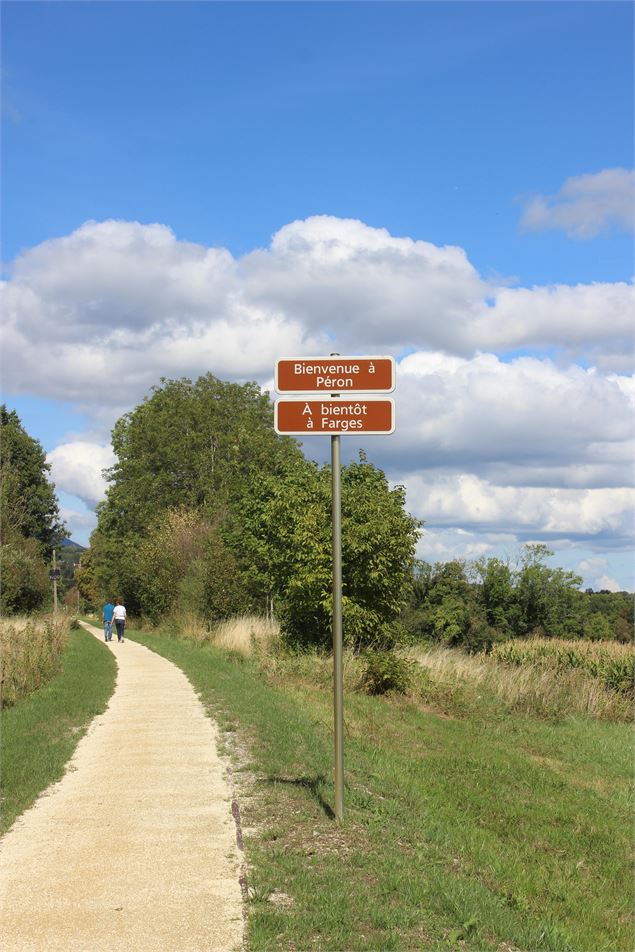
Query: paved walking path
pixel 135 848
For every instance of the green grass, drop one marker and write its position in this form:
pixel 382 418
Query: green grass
pixel 493 832
pixel 40 732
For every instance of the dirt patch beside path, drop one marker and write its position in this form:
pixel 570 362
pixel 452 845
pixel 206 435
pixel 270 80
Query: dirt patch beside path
pixel 135 848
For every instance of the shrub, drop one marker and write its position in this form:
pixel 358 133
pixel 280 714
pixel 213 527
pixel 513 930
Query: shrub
pixel 385 671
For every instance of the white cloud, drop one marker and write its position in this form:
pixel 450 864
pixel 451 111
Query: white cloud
pixel 608 583
pixel 524 422
pixel 468 501
pixel 492 446
pixel 586 205
pixel 593 320
pixel 80 524
pixel 97 317
pixel 77 468
pixel 363 284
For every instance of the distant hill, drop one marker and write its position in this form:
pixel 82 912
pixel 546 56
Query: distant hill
pixel 68 543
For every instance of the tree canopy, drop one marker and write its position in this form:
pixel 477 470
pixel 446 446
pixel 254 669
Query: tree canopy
pixel 209 509
pixel 30 524
pixel 29 504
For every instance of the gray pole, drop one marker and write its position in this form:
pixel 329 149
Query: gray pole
pixel 54 585
pixel 338 680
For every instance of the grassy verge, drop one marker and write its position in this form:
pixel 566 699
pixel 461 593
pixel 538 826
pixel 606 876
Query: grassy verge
pixel 40 732
pixel 497 832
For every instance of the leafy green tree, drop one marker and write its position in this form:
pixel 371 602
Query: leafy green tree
pixel 30 525
pixel 184 566
pixel 25 582
pixel 191 445
pixel 290 530
pixel 497 595
pixel 28 503
pixel 548 599
pixel 85 579
pixel 447 606
pixel 194 446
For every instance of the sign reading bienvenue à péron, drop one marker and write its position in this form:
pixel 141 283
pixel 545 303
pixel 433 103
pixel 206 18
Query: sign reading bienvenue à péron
pixel 335 375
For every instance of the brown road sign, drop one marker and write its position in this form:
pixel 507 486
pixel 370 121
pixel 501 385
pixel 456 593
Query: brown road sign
pixel 297 417
pixel 335 374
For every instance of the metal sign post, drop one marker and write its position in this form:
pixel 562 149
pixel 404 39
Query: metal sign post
pixel 342 377
pixel 338 677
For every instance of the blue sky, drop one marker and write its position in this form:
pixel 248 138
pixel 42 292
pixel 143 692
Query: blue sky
pixel 437 123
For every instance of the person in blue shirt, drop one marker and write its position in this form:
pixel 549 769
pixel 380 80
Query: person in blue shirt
pixel 109 610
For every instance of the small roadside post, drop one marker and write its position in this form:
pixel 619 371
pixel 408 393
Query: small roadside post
pixel 343 413
pixel 54 575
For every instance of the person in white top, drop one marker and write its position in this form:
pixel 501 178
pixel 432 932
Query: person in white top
pixel 119 616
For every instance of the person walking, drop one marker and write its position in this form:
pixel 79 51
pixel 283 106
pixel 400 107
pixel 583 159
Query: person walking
pixel 109 609
pixel 119 614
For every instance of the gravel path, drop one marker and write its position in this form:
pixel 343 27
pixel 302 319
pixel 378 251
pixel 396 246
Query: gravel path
pixel 135 848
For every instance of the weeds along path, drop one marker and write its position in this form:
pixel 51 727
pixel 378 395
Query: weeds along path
pixel 135 847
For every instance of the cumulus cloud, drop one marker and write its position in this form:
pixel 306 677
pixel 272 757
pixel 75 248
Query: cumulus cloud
pixel 98 316
pixel 80 524
pixel 586 205
pixel 485 444
pixel 466 500
pixel 606 583
pixel 522 422
pixel 584 320
pixel 77 468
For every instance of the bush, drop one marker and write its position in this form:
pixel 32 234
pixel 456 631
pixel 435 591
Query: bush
pixel 387 672
pixel 25 581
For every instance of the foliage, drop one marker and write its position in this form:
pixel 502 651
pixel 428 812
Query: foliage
pixel 478 605
pixel 184 566
pixel 190 446
pixel 30 525
pixel 386 672
pixel 287 524
pixel 25 581
pixel 208 510
pixel 28 504
pixel 612 664
pixel 546 598
pixel 85 579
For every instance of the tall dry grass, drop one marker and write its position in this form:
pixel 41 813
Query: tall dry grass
pixel 528 688
pixel 30 654
pixel 246 634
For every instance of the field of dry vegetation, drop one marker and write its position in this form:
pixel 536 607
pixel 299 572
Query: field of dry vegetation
pixel 30 653
pixel 540 677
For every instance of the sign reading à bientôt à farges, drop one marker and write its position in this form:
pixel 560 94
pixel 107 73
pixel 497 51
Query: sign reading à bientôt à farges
pixel 335 375
pixel 300 417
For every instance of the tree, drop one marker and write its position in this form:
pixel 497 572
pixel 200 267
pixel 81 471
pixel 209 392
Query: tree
pixel 29 506
pixel 25 582
pixel 497 595
pixel 184 566
pixel 548 599
pixel 30 525
pixel 289 530
pixel 191 446
pixel 85 579
pixel 447 604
